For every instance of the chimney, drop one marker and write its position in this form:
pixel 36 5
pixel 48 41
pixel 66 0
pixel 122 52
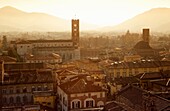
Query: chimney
pixel 145 35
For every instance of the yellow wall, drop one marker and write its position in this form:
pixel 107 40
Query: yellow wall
pixel 45 100
pixel 114 71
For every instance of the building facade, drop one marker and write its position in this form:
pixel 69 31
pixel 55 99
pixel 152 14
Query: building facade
pixel 18 86
pixel 67 49
pixel 81 94
pixel 52 59
pixel 126 69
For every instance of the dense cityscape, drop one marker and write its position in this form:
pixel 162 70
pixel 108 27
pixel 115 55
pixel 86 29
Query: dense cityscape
pixel 84 55
pixel 128 72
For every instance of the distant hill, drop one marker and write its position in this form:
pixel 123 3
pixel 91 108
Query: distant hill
pixel 12 19
pixel 157 19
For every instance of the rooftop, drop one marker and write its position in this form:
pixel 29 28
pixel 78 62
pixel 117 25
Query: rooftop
pixel 113 106
pixel 125 80
pixel 7 59
pixel 23 66
pixel 38 41
pixel 142 45
pixel 165 83
pixel 47 57
pixel 80 85
pixel 141 64
pixel 28 77
pixel 136 96
pixel 154 75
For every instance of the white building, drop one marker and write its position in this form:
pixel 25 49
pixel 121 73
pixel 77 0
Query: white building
pixel 81 94
pixel 67 49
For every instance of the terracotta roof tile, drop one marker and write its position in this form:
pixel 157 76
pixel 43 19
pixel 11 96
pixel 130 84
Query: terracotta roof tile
pixel 28 76
pixel 135 95
pixel 80 85
pixel 153 75
pixel 7 59
pixel 141 64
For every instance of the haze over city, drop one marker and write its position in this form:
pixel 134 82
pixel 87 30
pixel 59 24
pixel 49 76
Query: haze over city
pixel 99 12
pixel 84 55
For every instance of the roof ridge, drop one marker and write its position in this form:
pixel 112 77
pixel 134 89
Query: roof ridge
pixel 142 75
pixel 124 88
pixel 79 81
pixel 168 82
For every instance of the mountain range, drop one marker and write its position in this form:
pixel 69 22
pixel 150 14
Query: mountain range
pixel 12 19
pixel 157 19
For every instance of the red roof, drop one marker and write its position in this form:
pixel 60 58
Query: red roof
pixel 7 59
pixel 80 85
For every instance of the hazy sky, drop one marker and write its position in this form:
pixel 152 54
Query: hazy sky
pixel 101 12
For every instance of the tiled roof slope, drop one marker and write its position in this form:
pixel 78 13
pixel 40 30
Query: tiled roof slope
pixel 125 80
pixel 141 64
pixel 80 85
pixel 113 106
pixel 28 77
pixel 135 96
pixel 154 75
pixel 7 59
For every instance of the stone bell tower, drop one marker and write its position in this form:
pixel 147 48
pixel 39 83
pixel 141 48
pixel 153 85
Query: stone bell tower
pixel 146 35
pixel 75 32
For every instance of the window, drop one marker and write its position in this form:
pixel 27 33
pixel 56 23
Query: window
pixel 75 104
pixel 24 89
pixel 44 103
pixel 75 25
pixel 36 102
pixel 4 100
pixel 48 103
pixel 11 99
pixel 33 88
pixel 60 96
pixel 39 88
pixel 70 56
pixel 130 72
pixel 124 74
pixel 17 90
pixel 11 90
pixel 118 74
pixel 18 99
pixel 63 99
pixel 136 71
pixel 89 103
pixel 3 91
pixel 25 99
pixel 145 70
pixel 45 88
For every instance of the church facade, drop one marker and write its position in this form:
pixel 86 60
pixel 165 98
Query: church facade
pixel 67 49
